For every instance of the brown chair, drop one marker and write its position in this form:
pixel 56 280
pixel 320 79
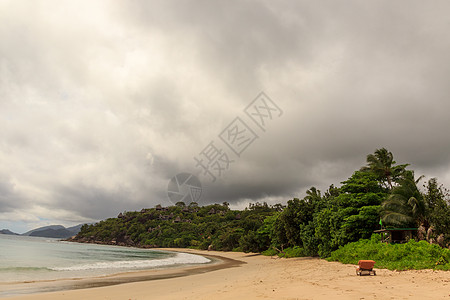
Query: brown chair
pixel 365 267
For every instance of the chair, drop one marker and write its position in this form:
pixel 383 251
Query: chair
pixel 365 267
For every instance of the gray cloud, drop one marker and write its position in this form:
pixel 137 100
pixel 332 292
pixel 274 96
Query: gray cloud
pixel 9 200
pixel 100 107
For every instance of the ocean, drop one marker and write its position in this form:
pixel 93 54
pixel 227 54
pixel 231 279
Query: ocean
pixel 29 259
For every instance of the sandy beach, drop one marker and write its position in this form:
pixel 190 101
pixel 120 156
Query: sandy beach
pixel 253 276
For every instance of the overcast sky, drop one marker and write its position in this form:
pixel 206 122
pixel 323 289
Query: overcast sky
pixel 103 102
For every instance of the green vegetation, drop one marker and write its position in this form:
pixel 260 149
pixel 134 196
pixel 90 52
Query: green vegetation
pixel 186 226
pixel 411 255
pixel 381 192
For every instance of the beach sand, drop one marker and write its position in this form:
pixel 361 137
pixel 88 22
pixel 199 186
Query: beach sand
pixel 253 276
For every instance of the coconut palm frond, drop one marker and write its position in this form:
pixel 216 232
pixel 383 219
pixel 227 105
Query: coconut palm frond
pixel 406 203
pixel 396 218
pixel 419 179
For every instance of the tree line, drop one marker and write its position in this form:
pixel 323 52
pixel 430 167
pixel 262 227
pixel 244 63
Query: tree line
pixel 381 193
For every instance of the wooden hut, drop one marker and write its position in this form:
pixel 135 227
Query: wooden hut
pixel 396 235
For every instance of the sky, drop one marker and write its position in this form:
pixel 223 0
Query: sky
pixel 102 103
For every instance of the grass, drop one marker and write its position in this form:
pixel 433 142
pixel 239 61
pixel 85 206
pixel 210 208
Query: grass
pixel 408 256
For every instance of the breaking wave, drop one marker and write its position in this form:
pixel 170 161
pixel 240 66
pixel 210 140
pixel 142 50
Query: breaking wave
pixel 178 259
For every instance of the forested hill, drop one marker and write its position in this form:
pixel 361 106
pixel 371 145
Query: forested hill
pixel 380 194
pixel 185 226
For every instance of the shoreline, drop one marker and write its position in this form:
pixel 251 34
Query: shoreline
pixel 37 287
pixel 256 276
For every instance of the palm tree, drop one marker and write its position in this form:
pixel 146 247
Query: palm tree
pixel 313 199
pixel 406 205
pixel 313 195
pixel 382 164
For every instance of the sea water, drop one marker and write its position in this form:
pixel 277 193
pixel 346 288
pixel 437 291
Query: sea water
pixel 25 259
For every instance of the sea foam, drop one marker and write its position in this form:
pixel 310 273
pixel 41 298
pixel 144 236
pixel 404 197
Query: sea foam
pixel 179 258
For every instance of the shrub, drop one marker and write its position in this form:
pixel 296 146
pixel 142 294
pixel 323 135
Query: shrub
pixel 294 252
pixel 270 252
pixel 412 255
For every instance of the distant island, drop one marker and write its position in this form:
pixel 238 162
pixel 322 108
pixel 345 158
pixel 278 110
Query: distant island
pixel 51 231
pixel 6 231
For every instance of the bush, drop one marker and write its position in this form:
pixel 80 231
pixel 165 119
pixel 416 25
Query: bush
pixel 412 255
pixel 288 252
pixel 270 252
pixel 293 252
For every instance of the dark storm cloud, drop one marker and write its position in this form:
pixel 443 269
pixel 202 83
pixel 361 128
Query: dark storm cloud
pixel 234 40
pixel 99 109
pixel 93 202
